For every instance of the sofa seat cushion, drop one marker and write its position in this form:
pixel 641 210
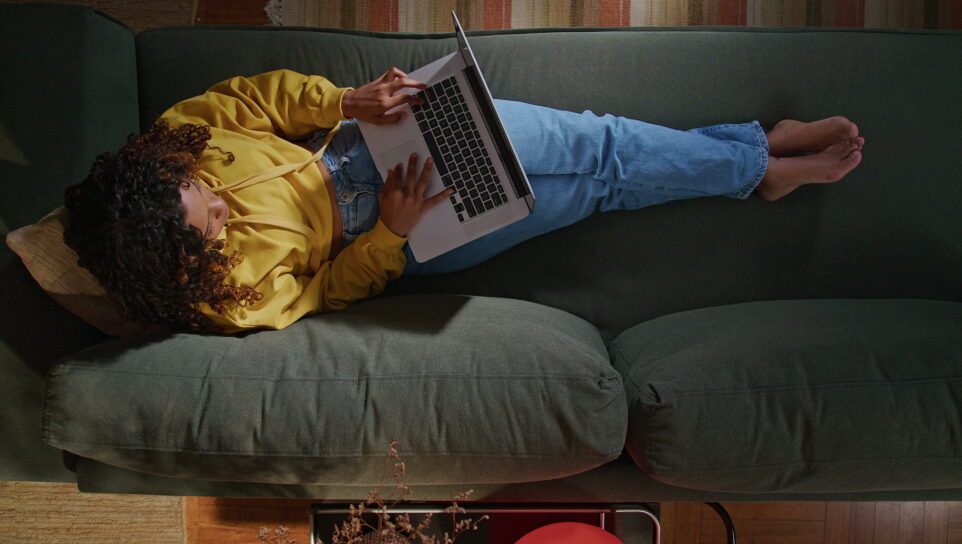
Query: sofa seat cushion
pixel 807 396
pixel 475 390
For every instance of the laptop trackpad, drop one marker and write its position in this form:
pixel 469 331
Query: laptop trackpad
pixel 401 154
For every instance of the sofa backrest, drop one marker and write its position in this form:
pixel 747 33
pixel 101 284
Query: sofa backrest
pixel 890 229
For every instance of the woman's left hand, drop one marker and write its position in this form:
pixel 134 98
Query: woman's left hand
pixel 401 201
pixel 370 102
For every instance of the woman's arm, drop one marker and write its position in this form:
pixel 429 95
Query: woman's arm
pixel 281 102
pixel 291 104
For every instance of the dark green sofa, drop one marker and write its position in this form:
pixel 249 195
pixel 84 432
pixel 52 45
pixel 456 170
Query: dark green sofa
pixel 709 349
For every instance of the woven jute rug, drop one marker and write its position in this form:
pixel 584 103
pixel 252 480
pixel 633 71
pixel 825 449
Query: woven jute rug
pixel 434 15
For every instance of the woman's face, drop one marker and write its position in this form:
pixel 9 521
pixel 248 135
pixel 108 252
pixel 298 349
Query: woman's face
pixel 204 210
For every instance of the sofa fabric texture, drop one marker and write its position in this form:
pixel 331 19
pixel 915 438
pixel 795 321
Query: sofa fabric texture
pixel 797 396
pixel 512 391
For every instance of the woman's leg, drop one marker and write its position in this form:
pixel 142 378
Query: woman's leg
pixel 579 164
pixel 725 160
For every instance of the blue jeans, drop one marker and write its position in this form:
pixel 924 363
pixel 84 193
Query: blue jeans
pixel 578 164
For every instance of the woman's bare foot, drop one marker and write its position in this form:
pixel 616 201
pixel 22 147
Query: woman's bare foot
pixel 790 136
pixel 786 174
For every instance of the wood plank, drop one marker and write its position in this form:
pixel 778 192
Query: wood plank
pixel 911 522
pixel 780 532
pixel 666 517
pixel 955 512
pixel 954 533
pixel 766 531
pixel 887 522
pixel 226 521
pixel 863 523
pixel 838 522
pixel 800 511
pixel 935 526
pixel 685 523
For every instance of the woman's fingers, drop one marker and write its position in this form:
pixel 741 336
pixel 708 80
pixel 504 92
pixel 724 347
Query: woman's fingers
pixel 392 74
pixel 423 179
pixel 405 81
pixel 438 198
pixel 409 181
pixel 391 180
pixel 401 98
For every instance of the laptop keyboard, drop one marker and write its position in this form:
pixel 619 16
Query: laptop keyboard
pixel 458 151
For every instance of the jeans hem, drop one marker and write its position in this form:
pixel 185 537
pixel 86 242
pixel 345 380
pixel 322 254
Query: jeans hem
pixel 763 151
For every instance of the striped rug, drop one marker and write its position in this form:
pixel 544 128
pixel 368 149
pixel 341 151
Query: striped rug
pixel 433 15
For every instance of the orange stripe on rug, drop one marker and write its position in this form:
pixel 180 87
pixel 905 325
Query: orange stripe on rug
pixel 732 12
pixel 615 13
pixel 383 15
pixel 497 14
pixel 954 16
pixel 848 13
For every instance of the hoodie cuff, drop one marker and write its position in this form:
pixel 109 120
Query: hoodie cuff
pixel 385 240
pixel 340 101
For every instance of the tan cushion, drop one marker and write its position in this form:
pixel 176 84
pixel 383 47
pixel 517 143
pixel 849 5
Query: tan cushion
pixel 54 266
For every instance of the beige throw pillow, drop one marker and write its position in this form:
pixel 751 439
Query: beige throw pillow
pixel 54 266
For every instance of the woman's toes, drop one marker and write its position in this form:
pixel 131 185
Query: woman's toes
pixel 845 127
pixel 849 157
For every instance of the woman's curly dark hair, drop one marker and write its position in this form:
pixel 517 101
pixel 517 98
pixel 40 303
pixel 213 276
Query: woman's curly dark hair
pixel 128 226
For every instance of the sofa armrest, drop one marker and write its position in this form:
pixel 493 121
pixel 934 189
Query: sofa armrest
pixel 69 93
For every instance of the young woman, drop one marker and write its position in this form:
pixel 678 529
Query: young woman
pixel 218 217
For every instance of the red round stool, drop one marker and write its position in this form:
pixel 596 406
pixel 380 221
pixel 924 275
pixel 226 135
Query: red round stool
pixel 569 532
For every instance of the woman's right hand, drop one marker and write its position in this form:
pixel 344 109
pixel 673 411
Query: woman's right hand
pixel 370 102
pixel 402 201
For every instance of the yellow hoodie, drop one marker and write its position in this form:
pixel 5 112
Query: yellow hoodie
pixel 281 222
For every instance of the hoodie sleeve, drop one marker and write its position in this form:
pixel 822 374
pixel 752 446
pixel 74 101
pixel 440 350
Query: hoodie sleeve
pixel 281 102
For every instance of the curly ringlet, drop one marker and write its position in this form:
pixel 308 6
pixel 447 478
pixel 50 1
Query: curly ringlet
pixel 128 226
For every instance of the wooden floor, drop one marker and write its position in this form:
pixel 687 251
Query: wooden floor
pixel 828 523
pixel 223 521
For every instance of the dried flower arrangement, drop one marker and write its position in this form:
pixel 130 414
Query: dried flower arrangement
pixel 396 530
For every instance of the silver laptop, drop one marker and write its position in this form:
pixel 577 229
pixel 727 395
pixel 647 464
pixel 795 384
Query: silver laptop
pixel 459 127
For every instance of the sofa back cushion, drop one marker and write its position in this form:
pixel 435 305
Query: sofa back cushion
pixel 474 389
pixel 889 229
pixel 805 396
